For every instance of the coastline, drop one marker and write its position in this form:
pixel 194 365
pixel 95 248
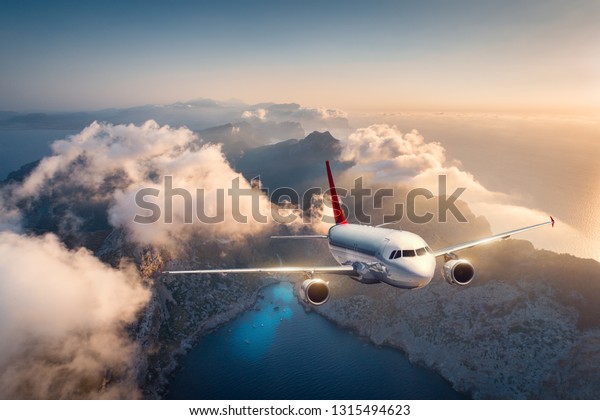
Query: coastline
pixel 499 340
pixel 379 341
pixel 158 387
pixel 505 346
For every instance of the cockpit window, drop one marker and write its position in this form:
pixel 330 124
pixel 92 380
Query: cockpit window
pixel 398 253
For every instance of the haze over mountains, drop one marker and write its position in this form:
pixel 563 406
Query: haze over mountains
pixel 528 309
pixel 196 115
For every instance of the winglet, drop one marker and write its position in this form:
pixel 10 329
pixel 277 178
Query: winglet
pixel 552 220
pixel 338 213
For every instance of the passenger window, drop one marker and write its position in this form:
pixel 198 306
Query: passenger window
pixel 421 251
pixel 408 253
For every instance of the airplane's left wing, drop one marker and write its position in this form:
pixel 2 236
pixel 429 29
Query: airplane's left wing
pixel 482 241
pixel 340 269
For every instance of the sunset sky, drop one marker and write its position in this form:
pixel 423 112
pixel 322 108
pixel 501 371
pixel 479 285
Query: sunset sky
pixel 497 56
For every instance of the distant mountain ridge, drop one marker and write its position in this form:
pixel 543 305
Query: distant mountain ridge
pixel 197 115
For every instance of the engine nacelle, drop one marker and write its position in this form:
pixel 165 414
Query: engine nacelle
pixel 315 291
pixel 458 272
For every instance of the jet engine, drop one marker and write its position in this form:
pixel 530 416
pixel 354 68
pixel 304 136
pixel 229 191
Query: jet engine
pixel 315 291
pixel 458 272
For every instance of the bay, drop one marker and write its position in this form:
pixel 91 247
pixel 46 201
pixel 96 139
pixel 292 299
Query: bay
pixel 279 351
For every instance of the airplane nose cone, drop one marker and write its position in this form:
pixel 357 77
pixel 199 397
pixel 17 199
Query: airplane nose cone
pixel 423 269
pixel 418 273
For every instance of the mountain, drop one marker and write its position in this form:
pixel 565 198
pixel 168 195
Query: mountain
pixel 65 121
pixel 4 115
pixel 20 174
pixel 194 117
pixel 297 164
pixel 238 138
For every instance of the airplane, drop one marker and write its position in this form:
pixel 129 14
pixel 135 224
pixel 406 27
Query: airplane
pixel 371 254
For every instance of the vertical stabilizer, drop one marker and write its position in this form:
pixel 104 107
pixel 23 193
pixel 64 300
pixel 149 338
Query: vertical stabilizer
pixel 338 213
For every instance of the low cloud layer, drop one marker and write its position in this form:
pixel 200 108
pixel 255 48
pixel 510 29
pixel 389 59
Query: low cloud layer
pixel 392 153
pixel 383 155
pixel 113 163
pixel 312 119
pixel 62 318
pixel 286 112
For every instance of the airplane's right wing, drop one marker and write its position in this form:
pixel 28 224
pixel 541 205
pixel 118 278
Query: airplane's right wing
pixel 482 241
pixel 340 269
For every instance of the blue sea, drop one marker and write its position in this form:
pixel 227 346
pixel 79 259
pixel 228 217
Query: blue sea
pixel 19 147
pixel 282 352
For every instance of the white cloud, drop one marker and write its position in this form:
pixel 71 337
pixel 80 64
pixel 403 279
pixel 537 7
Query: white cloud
pixel 311 119
pixel 383 155
pixel 260 114
pixel 114 162
pixel 61 322
pixel 318 113
pixel 391 153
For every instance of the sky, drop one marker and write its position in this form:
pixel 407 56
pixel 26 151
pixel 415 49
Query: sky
pixel 493 56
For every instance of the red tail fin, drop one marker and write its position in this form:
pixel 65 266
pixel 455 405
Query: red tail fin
pixel 338 213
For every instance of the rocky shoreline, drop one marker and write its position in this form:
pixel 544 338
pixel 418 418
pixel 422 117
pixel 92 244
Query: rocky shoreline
pixel 494 340
pixel 517 332
pixel 499 339
pixel 155 383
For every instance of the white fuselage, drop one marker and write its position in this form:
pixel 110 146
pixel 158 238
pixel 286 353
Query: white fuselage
pixel 398 258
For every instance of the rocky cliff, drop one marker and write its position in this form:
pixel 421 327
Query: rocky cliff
pixel 525 328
